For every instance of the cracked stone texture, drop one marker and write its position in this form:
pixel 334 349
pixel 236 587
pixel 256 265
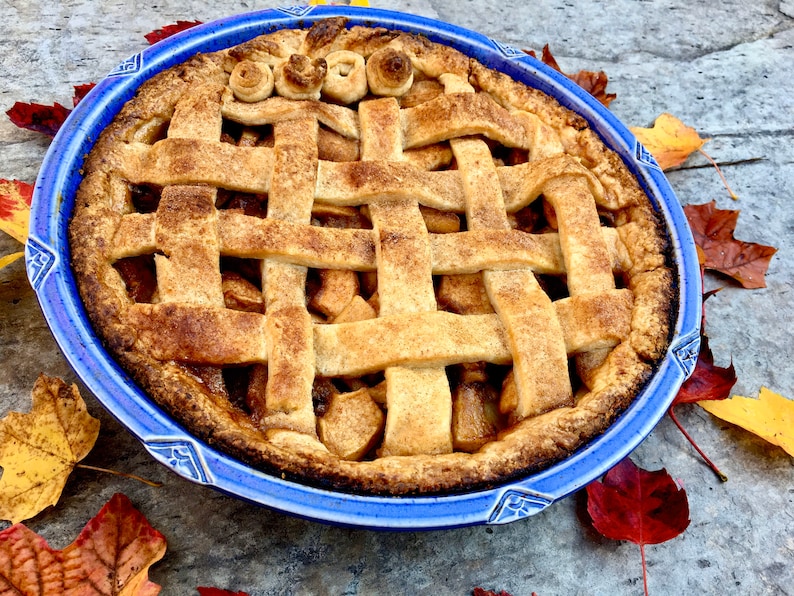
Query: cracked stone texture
pixel 723 68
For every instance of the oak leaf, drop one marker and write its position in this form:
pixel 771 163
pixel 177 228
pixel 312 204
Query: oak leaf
pixel 771 416
pixel 40 449
pixel 110 557
pixel 644 507
pixel 712 228
pixel 595 83
pixel 160 34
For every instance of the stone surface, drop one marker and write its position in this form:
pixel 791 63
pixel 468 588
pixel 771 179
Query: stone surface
pixel 723 68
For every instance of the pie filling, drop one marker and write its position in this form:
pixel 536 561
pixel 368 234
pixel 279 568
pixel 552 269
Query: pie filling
pixel 362 260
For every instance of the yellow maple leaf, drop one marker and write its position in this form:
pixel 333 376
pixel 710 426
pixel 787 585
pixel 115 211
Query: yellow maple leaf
pixel 8 259
pixel 669 140
pixel 771 416
pixel 40 449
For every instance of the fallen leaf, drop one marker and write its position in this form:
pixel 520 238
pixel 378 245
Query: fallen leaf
pixel 39 117
pixel 594 83
pixel 484 592
pixel 669 140
pixel 40 449
pixel 8 259
pixel 43 118
pixel 218 592
pixel 80 91
pixel 644 507
pixel 712 228
pixel 169 30
pixel 350 3
pixel 771 416
pixel 110 557
pixel 707 382
pixel 15 198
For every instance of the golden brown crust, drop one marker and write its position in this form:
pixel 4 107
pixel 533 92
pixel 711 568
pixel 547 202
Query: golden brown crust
pixel 365 186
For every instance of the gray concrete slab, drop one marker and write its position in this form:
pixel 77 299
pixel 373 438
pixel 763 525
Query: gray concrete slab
pixel 723 68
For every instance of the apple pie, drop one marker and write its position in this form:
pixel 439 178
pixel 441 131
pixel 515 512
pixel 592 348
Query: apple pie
pixel 361 260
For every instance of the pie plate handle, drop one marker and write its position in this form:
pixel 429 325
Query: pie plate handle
pixel 181 455
pixel 516 504
pixel 685 353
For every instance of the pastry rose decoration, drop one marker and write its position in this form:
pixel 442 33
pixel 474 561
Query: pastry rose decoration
pixel 389 72
pixel 346 81
pixel 251 81
pixel 300 77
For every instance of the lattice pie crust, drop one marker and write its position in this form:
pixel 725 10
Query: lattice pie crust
pixel 362 260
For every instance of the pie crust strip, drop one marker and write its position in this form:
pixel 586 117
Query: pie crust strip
pixel 288 335
pixel 419 402
pixel 540 362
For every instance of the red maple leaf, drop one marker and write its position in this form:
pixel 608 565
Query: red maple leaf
pixel 707 382
pixel 713 228
pixel 80 91
pixel 169 30
pixel 644 507
pixel 38 117
pixel 218 592
pixel 595 83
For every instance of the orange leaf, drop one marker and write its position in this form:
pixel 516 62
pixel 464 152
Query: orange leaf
pixel 595 83
pixel 15 197
pixel 669 140
pixel 39 450
pixel 771 416
pixel 111 556
pixel 712 228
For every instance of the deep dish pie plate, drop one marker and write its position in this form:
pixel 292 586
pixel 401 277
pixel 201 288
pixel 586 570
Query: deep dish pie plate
pixel 48 266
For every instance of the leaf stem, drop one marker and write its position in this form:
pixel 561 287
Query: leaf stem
pixel 644 569
pixel 710 463
pixel 115 473
pixel 719 171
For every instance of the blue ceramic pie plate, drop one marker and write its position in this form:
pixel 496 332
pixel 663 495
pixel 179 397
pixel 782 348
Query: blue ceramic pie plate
pixel 47 261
